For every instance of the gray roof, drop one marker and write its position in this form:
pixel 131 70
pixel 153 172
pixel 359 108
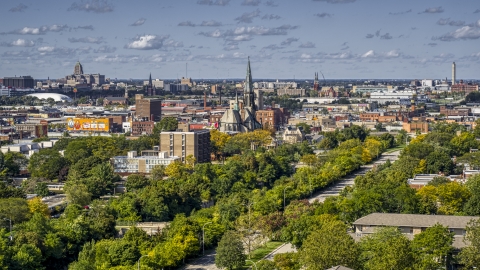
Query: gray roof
pixel 399 220
pixel 339 267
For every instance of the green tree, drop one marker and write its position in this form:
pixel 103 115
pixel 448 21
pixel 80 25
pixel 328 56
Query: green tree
pixel 472 207
pixel 431 247
pixel 306 127
pixel 166 124
pixel 136 181
pixel 387 248
pixel 335 248
pixel 452 198
pixel 15 209
pixel 230 253
pixel 27 257
pixel 78 194
pixel 46 163
pixel 470 255
pixel 439 162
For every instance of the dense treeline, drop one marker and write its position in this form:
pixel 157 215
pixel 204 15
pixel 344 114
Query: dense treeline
pixel 385 190
pixel 247 192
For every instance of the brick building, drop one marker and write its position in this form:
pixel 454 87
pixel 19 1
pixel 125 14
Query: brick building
pixel 148 109
pixel 183 144
pixel 142 128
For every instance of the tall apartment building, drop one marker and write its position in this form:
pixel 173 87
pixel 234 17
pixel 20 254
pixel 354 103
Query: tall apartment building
pixel 148 109
pixel 19 82
pixel 183 144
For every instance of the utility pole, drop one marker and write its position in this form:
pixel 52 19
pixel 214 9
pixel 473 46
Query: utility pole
pixel 203 237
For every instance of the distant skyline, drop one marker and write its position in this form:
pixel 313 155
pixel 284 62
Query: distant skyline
pixel 350 39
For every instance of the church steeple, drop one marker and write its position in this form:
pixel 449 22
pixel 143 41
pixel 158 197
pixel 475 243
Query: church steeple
pixel 150 80
pixel 249 95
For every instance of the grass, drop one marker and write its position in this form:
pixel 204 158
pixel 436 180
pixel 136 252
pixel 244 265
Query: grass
pixel 395 149
pixel 261 252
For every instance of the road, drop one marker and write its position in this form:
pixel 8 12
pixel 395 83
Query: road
pixel 207 262
pixel 348 180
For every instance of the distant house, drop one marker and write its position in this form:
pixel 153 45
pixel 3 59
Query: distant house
pixel 411 224
pixel 293 135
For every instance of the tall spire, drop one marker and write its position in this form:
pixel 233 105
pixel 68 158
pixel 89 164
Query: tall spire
pixel 248 82
pixel 150 80
pixel 248 94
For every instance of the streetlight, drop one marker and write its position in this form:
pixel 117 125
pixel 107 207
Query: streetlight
pixel 11 237
pixel 139 261
pixel 203 237
pixel 253 263
pixel 284 196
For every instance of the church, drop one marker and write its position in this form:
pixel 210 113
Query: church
pixel 241 118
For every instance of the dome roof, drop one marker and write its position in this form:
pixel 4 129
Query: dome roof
pixel 55 96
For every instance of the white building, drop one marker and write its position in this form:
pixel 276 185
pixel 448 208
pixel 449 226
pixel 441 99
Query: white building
pixel 155 83
pixel 131 163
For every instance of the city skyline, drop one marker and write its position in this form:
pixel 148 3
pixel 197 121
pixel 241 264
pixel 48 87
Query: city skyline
pixel 284 39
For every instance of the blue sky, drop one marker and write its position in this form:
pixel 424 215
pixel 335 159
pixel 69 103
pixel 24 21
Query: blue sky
pixel 284 38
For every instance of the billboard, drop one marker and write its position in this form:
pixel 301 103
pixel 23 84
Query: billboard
pixel 88 124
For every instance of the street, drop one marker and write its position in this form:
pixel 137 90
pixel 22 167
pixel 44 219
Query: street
pixel 348 180
pixel 207 262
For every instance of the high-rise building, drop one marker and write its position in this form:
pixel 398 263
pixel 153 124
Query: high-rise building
pixel 183 144
pixel 19 82
pixel 454 73
pixel 315 82
pixel 78 70
pixel 147 109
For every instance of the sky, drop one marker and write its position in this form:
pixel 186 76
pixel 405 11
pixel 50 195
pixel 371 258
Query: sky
pixel 211 39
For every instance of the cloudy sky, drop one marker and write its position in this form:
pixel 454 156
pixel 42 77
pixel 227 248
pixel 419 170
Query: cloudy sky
pixel 284 38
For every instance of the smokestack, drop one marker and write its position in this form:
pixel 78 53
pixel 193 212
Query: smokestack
pixel 454 73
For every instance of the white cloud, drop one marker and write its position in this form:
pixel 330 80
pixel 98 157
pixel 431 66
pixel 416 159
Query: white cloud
pixel 230 47
pixel 463 33
pixel 19 43
pixel 307 45
pixel 251 2
pixel 147 42
pixel 271 17
pixel 370 53
pixel 271 4
pixel 19 8
pixel 450 22
pixel 211 23
pixel 213 3
pixel 246 33
pixel 288 41
pixel 186 23
pixel 400 12
pixel 433 10
pixel 248 17
pixel 95 6
pixel 138 22
pixel 87 40
pixel 323 15
pixel 105 49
